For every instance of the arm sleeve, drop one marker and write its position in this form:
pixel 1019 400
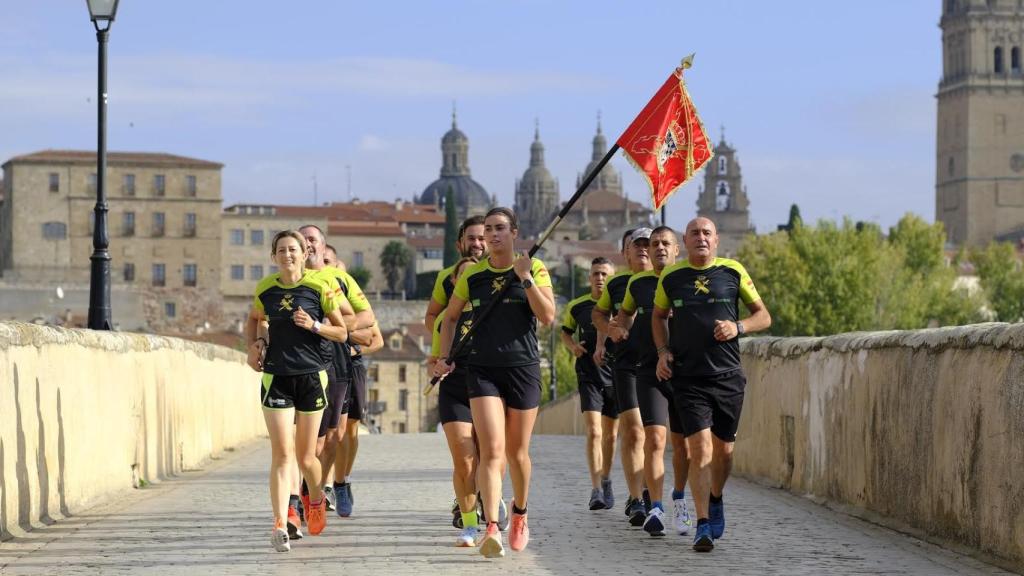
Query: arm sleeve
pixel 462 286
pixel 605 301
pixel 628 302
pixel 257 303
pixel 355 295
pixel 540 274
pixel 568 320
pixel 438 293
pixel 435 337
pixel 329 294
pixel 660 296
pixel 746 289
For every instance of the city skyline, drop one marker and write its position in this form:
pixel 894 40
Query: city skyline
pixel 820 115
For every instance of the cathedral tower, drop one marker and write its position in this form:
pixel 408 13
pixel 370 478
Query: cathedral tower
pixel 723 199
pixel 536 193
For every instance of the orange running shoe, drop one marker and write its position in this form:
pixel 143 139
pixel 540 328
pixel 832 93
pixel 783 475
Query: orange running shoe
pixel 294 524
pixel 490 544
pixel 316 516
pixel 518 532
pixel 304 498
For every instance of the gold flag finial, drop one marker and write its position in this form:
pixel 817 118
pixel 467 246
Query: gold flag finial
pixel 687 62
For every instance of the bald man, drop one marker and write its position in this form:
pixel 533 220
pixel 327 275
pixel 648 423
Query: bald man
pixel 696 329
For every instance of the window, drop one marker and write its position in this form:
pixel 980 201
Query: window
pixel 373 373
pixel 129 272
pixel 403 399
pixel 159 275
pixel 723 165
pixel 128 224
pixel 237 272
pixel 433 254
pixel 54 182
pixel 190 185
pixel 256 237
pixel 170 309
pixel 92 182
pixel 951 167
pixel 128 184
pixel 1015 60
pixel 357 259
pixel 256 272
pixel 395 342
pixel 55 230
pixel 159 185
pixel 190 224
pixel 158 223
pixel 722 197
pixel 401 373
pixel 999 59
pixel 237 237
pixel 189 274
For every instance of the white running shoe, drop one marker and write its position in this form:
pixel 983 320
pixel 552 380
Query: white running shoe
pixel 279 539
pixel 681 517
pixel 655 522
pixel 467 538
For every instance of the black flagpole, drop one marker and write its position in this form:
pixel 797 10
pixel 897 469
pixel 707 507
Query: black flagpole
pixel 477 319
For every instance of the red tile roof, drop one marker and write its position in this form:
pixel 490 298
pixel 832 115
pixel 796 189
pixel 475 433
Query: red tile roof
pixel 364 229
pixel 88 157
pixel 604 201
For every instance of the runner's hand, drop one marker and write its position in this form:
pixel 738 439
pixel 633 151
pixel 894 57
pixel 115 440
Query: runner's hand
pixel 523 266
pixel 578 350
pixel 664 370
pixel 255 356
pixel 725 330
pixel 302 320
pixel 442 368
pixel 599 355
pixel 617 333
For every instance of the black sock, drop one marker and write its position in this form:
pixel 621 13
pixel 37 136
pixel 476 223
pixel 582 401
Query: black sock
pixel 716 499
pixel 517 509
pixel 339 485
pixel 304 489
pixel 701 521
pixel 293 501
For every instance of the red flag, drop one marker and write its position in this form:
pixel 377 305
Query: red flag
pixel 667 142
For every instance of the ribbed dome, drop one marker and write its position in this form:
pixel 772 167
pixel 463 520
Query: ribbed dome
pixel 466 192
pixel 454 136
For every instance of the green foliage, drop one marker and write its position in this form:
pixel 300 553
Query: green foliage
pixel 563 283
pixel 425 285
pixel 830 278
pixel 451 229
pixel 565 367
pixel 360 275
pixel 395 257
pixel 1002 279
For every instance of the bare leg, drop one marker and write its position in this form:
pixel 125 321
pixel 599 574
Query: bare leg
pixel 518 431
pixel 631 431
pixel 306 430
pixel 721 464
pixel 346 454
pixel 700 470
pixel 464 457
pixel 489 423
pixel 329 453
pixel 680 461
pixel 595 441
pixel 609 428
pixel 282 462
pixel 654 460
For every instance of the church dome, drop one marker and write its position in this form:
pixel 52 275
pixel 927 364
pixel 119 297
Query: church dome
pixel 469 196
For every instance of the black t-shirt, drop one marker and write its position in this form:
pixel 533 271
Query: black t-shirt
pixel 508 336
pixel 578 319
pixel 610 301
pixel 640 299
pixel 294 350
pixel 698 297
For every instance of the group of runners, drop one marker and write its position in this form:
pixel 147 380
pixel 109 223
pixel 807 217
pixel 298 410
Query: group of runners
pixel 657 357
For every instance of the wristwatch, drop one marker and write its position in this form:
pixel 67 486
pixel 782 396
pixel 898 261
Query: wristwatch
pixel 528 283
pixel 739 329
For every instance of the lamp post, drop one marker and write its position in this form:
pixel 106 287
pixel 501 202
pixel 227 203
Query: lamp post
pixel 101 12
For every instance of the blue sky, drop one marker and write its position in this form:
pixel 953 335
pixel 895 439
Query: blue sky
pixel 829 104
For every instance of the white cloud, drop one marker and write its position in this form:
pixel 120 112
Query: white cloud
pixel 372 143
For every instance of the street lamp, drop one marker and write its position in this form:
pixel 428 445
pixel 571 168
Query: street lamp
pixel 101 12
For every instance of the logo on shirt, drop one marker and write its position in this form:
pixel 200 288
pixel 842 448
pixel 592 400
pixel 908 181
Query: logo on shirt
pixel 286 302
pixel 701 285
pixel 464 328
pixel 497 284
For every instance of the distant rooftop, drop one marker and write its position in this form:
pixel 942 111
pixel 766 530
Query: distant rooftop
pixel 88 157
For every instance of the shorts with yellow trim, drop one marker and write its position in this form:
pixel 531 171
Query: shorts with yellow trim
pixel 303 392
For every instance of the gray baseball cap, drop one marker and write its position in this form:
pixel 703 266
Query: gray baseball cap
pixel 640 234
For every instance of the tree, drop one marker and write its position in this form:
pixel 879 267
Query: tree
pixel 360 275
pixel 394 259
pixel 563 284
pixel 1002 280
pixel 565 367
pixel 451 229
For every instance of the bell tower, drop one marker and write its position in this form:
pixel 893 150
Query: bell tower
pixel 723 199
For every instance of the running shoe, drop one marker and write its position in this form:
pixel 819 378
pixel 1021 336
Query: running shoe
pixel 519 534
pixel 329 494
pixel 502 512
pixel 304 498
pixel 702 540
pixel 646 498
pixel 316 517
pixel 609 497
pixel 490 545
pixel 655 522
pixel 294 524
pixel 467 538
pixel 597 499
pixel 681 516
pixel 344 495
pixel 716 517
pixel 637 514
pixel 279 537
pixel 456 514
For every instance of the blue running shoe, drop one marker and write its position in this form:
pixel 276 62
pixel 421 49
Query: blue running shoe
pixel 702 540
pixel 343 494
pixel 609 496
pixel 597 499
pixel 716 517
pixel 637 514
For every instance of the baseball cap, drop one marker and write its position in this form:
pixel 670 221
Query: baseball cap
pixel 640 234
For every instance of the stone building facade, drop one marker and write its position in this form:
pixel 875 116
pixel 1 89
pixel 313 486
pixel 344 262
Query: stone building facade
pixel 979 172
pixel 397 375
pixel 163 223
pixel 723 199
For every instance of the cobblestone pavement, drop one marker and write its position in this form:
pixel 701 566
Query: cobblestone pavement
pixel 217 521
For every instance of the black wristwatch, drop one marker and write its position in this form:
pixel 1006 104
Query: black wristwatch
pixel 739 329
pixel 527 284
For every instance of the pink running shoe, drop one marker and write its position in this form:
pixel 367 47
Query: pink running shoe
pixel 518 532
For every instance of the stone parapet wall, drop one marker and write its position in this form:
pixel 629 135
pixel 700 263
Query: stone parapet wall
pixel 84 415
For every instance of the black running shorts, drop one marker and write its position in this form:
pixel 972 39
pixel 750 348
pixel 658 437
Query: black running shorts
pixel 356 401
pixel 306 393
pixel 710 402
pixel 337 393
pixel 657 407
pixel 453 397
pixel 596 397
pixel 625 389
pixel 519 386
